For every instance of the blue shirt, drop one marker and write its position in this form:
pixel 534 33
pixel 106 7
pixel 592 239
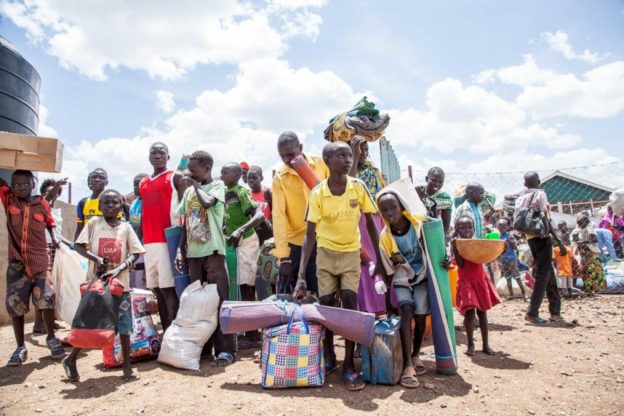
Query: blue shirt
pixel 135 214
pixel 509 253
pixel 409 247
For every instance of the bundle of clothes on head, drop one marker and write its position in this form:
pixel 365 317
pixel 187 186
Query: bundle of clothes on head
pixel 362 120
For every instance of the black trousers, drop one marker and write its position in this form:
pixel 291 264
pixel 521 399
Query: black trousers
pixel 545 279
pixel 311 281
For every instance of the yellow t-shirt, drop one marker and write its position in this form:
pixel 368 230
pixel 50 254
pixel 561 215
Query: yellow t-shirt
pixel 337 217
pixel 88 208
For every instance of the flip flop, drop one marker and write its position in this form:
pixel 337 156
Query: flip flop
pixel 353 381
pixel 222 360
pixel 71 371
pixel 408 378
pixel 419 366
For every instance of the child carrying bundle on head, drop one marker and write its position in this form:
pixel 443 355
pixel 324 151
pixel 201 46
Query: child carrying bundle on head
pixel 475 291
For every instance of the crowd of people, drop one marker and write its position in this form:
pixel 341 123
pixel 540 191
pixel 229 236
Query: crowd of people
pixel 336 232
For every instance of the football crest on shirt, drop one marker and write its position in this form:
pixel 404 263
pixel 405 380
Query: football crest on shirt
pixel 353 203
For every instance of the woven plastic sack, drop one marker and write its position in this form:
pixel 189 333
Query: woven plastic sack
pixel 292 354
pixel 195 323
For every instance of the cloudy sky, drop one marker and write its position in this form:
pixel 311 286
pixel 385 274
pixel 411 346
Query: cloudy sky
pixel 471 86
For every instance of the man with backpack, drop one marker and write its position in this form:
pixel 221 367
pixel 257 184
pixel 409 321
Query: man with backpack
pixel 531 204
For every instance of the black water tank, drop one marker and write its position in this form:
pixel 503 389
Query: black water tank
pixel 19 92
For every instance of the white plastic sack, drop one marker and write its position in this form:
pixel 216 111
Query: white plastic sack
pixel 617 201
pixel 503 290
pixel 69 271
pixel 194 325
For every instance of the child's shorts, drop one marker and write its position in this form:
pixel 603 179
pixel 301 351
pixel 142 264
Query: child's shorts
pixel 247 260
pixel 124 316
pixel 417 296
pixel 509 269
pixel 337 270
pixel 20 288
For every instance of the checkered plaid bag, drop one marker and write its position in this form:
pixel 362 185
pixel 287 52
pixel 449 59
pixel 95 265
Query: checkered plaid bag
pixel 292 354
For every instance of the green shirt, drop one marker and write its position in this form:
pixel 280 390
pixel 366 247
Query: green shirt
pixel 444 202
pixel 204 234
pixel 239 207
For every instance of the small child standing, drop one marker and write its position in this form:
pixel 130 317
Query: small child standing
pixel 202 243
pixel 112 247
pixel 508 261
pixel 565 269
pixel 402 255
pixel 475 291
pixel 242 214
pixel 259 193
pixel 471 207
pixel 332 216
pixel 28 218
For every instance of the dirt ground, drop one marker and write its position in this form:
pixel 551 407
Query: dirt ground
pixel 550 370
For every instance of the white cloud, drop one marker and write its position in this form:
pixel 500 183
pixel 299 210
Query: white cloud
pixel 469 117
pixel 598 93
pixel 241 123
pixel 164 101
pixel 164 38
pixel 559 42
pixel 45 130
pixel 528 73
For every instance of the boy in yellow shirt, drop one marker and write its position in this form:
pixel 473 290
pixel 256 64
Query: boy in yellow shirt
pixel 333 213
pixel 290 199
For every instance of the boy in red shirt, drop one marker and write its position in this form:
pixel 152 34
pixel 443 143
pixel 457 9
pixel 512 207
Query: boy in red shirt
pixel 262 195
pixel 157 194
pixel 28 217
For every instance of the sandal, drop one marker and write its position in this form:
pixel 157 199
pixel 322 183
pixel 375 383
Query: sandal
pixel 223 359
pixel 353 381
pixel 419 366
pixel 408 378
pixel 71 371
pixel 535 320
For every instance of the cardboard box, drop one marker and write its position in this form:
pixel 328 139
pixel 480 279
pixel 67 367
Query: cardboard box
pixel 39 154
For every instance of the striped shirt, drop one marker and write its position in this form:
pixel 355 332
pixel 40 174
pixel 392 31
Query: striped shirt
pixel 27 223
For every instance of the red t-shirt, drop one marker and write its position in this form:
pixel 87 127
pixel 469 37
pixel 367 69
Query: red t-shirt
pixel 260 198
pixel 27 223
pixel 156 206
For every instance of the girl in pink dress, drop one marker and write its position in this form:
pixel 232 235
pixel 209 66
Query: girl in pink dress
pixel 475 291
